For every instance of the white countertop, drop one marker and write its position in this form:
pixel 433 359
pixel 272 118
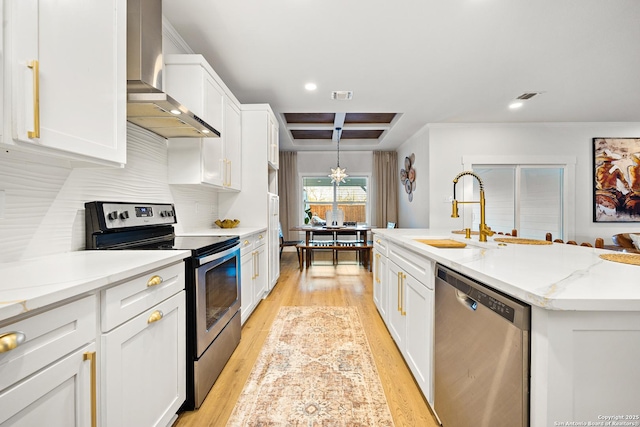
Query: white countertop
pixel 242 232
pixel 33 283
pixel 554 277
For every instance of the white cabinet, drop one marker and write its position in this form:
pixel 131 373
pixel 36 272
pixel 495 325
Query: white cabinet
pixel 61 394
pixel 274 240
pixel 253 274
pixel 49 375
pixel 381 282
pixel 210 161
pixel 143 349
pixel 65 78
pixel 410 313
pixel 273 142
pixel 232 138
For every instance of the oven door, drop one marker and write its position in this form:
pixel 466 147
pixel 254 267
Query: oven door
pixel 217 294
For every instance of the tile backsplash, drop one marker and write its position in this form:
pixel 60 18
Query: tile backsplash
pixel 43 207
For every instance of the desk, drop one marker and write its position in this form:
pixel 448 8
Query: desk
pixel 334 232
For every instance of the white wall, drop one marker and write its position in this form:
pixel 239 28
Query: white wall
pixel 44 204
pixel 448 143
pixel 415 214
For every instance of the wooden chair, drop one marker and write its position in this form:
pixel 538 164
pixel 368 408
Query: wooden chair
pixel 599 243
pixel 284 243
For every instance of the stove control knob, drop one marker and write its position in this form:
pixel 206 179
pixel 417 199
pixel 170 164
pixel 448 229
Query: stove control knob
pixel 112 215
pixel 124 215
pixel 164 213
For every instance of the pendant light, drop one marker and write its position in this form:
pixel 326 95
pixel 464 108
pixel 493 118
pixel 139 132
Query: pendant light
pixel 338 175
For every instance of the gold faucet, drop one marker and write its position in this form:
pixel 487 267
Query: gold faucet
pixel 485 230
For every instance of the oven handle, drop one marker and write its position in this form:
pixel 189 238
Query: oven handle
pixel 218 255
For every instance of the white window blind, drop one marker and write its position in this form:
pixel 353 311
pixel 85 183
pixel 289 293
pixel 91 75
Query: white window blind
pixel 526 198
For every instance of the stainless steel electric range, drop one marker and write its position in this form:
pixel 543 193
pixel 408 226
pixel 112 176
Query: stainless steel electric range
pixel 212 284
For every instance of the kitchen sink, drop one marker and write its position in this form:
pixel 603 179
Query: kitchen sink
pixel 442 243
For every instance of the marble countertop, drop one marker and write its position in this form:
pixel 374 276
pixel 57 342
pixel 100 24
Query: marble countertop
pixel 33 283
pixel 554 277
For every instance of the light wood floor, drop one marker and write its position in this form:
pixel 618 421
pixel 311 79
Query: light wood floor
pixel 342 285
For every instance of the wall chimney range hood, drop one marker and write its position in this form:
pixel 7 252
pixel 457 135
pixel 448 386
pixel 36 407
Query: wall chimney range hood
pixel 147 105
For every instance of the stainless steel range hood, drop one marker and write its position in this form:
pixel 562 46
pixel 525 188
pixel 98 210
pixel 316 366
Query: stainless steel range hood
pixel 147 105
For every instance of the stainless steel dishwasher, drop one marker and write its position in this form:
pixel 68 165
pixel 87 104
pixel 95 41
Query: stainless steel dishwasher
pixel 481 354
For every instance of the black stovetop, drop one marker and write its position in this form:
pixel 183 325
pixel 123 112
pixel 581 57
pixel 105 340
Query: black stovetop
pixel 200 245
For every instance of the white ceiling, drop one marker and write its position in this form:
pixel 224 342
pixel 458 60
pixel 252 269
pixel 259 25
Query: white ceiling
pixel 433 61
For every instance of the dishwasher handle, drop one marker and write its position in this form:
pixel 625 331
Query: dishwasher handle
pixel 466 301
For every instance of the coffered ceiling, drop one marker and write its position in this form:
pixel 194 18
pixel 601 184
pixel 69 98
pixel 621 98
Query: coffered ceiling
pixel 417 62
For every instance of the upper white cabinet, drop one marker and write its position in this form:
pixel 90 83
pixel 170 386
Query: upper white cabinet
pixel 65 78
pixel 212 161
pixel 273 142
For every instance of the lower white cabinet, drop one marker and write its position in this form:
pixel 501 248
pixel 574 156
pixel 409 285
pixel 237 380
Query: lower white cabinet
pixel 54 373
pixel 61 395
pixel 254 273
pixel 48 374
pixel 380 283
pixel 410 310
pixel 143 349
pixel 144 367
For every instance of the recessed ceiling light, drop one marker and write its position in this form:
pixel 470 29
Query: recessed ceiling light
pixel 515 105
pixel 176 112
pixel 310 86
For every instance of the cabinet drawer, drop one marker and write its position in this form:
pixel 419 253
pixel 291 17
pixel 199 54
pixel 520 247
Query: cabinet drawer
pixel 48 337
pixel 122 302
pixel 260 239
pixel 246 245
pixel 418 266
pixel 381 245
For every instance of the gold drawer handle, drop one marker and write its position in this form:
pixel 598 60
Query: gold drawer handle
pixel 11 340
pixel 35 65
pixel 246 242
pixel 155 316
pixel 154 281
pixel 378 240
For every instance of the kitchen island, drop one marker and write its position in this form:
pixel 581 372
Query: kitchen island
pixel 585 319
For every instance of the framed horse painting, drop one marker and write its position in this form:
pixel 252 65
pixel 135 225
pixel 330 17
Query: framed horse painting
pixel 616 183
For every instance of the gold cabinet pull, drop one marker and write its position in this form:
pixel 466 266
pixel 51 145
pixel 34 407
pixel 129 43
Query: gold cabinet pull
pixel 91 355
pixel 378 268
pixel 154 281
pixel 402 312
pixel 11 340
pixel 155 316
pixel 378 240
pixel 399 292
pixel 256 271
pixel 246 242
pixel 35 65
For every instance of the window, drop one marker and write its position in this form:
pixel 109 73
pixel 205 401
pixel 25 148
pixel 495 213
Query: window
pixel 525 197
pixel 351 196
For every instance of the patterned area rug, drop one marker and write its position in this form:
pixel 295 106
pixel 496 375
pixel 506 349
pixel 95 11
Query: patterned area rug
pixel 315 369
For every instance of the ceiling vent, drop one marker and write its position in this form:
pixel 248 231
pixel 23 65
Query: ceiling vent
pixel 528 95
pixel 342 95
